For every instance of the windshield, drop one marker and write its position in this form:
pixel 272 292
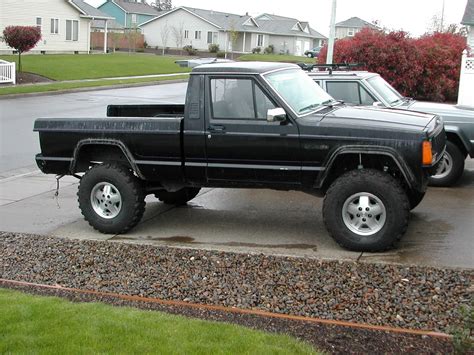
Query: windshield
pixel 384 89
pixel 299 91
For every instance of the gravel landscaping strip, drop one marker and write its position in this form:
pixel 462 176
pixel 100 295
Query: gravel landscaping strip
pixel 380 294
pixel 328 338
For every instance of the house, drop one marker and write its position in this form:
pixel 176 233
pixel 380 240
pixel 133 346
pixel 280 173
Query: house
pixel 468 20
pixel 236 33
pixel 64 24
pixel 351 26
pixel 129 13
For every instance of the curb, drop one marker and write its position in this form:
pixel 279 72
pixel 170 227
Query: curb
pixel 93 88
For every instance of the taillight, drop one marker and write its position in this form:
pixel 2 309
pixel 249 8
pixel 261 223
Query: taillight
pixel 427 156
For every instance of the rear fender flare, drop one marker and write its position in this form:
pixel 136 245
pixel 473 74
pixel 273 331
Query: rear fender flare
pixel 106 142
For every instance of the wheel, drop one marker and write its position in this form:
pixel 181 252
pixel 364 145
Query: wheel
pixel 309 55
pixel 450 168
pixel 179 197
pixel 414 198
pixel 366 210
pixel 111 198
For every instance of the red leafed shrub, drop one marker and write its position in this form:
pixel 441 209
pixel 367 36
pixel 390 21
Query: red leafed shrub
pixel 21 38
pixel 425 68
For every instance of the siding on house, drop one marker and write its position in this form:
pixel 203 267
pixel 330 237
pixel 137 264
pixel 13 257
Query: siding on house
pixel 25 12
pixel 190 23
pixel 114 11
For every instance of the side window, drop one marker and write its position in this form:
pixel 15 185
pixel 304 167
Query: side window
pixel 345 91
pixel 238 99
pixel 365 97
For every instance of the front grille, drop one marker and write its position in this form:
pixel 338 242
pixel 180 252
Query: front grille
pixel 438 143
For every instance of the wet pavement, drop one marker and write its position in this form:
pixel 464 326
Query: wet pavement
pixel 441 230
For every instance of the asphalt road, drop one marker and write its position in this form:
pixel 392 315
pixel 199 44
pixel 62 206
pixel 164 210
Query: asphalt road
pixel 19 144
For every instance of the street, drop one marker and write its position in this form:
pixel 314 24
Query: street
pixel 18 142
pixel 250 221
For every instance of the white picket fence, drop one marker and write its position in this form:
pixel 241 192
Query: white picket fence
pixel 7 72
pixel 466 82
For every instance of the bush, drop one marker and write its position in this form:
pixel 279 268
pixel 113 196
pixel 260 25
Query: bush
pixel 256 50
pixel 270 49
pixel 220 54
pixel 427 68
pixel 213 48
pixel 190 50
pixel 145 44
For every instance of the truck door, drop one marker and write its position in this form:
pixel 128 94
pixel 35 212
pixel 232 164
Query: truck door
pixel 241 145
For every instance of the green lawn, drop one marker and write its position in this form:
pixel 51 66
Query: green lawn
pixel 276 58
pixel 25 89
pixel 47 325
pixel 91 66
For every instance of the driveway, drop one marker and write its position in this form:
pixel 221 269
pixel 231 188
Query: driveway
pixel 249 221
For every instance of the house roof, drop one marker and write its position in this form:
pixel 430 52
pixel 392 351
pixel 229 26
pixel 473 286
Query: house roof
pixel 136 7
pixel 111 25
pixel 88 10
pixel 355 22
pixel 225 21
pixel 468 18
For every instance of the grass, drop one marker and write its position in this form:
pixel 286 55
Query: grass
pixel 48 325
pixel 276 58
pixel 93 66
pixel 61 86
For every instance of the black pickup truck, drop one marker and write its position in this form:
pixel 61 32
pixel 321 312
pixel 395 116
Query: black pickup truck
pixel 251 125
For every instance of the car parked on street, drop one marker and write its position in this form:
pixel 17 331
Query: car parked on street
pixel 365 88
pixel 251 125
pixel 314 52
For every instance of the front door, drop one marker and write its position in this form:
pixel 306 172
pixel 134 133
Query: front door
pixel 241 145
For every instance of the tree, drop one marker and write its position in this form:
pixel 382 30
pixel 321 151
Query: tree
pixel 21 38
pixel 233 36
pixel 178 35
pixel 164 34
pixel 162 5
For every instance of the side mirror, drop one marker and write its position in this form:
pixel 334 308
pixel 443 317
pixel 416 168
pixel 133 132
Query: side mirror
pixel 378 104
pixel 276 115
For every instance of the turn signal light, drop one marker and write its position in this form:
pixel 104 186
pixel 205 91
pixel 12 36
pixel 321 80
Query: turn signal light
pixel 427 153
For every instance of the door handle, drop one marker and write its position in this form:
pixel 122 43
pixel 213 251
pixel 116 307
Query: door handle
pixel 216 128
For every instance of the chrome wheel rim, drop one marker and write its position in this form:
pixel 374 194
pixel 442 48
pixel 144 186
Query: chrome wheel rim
pixel 364 214
pixel 106 200
pixel 445 167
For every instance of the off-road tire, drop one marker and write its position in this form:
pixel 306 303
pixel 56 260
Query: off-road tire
pixel 178 198
pixel 456 171
pixel 132 198
pixel 385 188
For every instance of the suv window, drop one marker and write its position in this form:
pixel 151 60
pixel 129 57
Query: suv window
pixel 349 92
pixel 345 91
pixel 238 99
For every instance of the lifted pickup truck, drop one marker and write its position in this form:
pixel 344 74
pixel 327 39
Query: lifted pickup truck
pixel 250 125
pixel 365 88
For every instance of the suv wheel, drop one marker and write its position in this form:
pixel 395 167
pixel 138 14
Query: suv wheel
pixel 180 197
pixel 309 55
pixel 111 198
pixel 450 168
pixel 366 210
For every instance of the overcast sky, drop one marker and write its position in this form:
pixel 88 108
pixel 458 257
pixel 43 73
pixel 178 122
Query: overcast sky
pixel 413 16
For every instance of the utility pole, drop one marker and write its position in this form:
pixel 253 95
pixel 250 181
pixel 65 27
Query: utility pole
pixel 332 33
pixel 441 29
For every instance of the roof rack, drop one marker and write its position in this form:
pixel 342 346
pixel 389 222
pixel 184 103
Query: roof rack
pixel 329 67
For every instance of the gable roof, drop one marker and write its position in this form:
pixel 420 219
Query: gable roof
pixel 356 22
pixel 132 7
pixel 224 21
pixel 468 18
pixel 87 10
